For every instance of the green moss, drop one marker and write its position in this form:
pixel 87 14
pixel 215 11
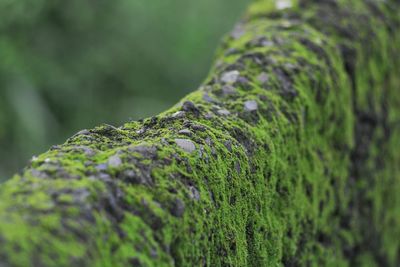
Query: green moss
pixel 295 163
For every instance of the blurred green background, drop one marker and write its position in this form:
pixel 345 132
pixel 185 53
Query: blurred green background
pixel 69 65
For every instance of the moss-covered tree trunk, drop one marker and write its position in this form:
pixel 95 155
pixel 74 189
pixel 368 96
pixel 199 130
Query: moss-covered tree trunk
pixel 287 155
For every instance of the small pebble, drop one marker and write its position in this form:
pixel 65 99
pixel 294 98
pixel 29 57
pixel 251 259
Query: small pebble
pixel 208 98
pixel 230 77
pixel 83 132
pixel 228 90
pixel 238 31
pixel 140 131
pixel 267 43
pixel 153 253
pixel 209 116
pixel 87 150
pixel 185 132
pixel 283 4
pixel 143 148
pixel 38 174
pixel 197 127
pixel 178 114
pixel 101 167
pixel 208 141
pixel 243 80
pixel 237 166
pixel 223 112
pixel 104 177
pixel 232 51
pixel 250 105
pixel 228 145
pixel 194 193
pixel 178 208
pixel 263 77
pixel 186 145
pixel 189 106
pixel 114 161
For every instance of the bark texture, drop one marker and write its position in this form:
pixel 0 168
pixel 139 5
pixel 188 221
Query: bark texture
pixel 287 155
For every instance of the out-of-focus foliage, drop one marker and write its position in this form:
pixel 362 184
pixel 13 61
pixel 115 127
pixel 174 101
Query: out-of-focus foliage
pixel 67 65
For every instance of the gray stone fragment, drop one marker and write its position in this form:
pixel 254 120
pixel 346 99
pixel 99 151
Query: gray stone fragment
pixel 232 51
pixel 228 90
pixel 101 167
pixel 38 174
pixel 209 116
pixel 243 80
pixel 141 131
pixel 56 147
pixel 153 253
pixel 178 208
pixel 189 106
pixel 263 77
pixel 230 76
pixel 186 145
pixel 85 149
pixel 194 193
pixel 208 98
pixel 283 4
pixel 208 141
pixel 83 132
pixel 88 163
pixel 238 31
pixel 186 132
pixel 114 161
pixel 179 114
pixel 80 194
pixel 223 112
pixel 237 166
pixel 144 149
pixel 250 105
pixel 267 43
pixel 134 178
pixel 228 145
pixel 198 127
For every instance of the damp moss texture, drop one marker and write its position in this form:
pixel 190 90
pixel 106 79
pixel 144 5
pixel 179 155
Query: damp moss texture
pixel 287 155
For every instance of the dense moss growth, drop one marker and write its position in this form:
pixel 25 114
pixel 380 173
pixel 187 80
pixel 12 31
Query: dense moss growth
pixel 286 156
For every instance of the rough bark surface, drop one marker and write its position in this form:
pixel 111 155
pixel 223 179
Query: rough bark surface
pixel 287 155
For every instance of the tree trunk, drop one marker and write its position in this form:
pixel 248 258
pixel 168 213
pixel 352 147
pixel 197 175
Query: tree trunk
pixel 287 155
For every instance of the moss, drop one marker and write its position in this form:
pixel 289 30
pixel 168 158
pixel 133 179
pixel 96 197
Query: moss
pixel 286 156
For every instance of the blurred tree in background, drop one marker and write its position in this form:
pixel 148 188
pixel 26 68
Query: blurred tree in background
pixel 68 65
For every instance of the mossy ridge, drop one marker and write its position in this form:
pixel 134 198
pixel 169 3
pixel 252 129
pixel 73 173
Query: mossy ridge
pixel 279 174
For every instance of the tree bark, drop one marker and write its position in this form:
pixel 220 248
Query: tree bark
pixel 287 155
